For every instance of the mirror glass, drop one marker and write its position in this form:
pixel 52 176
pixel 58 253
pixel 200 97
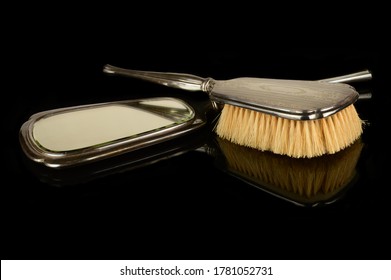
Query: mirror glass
pixel 85 126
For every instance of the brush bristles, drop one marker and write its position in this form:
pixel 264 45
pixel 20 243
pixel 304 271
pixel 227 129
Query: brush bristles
pixel 309 178
pixel 299 139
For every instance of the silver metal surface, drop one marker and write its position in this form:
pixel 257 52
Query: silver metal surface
pixel 183 119
pixel 291 99
pixel 174 80
pixel 361 76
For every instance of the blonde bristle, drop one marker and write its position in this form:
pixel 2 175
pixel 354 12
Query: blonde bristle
pixel 299 139
pixel 304 179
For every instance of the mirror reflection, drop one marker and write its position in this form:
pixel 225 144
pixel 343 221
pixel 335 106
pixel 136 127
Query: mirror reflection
pixel 96 125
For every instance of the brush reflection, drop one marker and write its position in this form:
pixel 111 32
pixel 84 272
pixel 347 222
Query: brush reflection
pixel 305 182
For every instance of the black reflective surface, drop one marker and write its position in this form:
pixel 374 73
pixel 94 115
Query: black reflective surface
pixel 177 200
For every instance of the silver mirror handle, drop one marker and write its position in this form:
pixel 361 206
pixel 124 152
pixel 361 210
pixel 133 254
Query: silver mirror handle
pixel 361 76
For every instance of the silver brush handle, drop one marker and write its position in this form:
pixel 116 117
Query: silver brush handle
pixel 173 80
pixel 196 83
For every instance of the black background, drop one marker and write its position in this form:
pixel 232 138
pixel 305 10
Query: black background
pixel 184 207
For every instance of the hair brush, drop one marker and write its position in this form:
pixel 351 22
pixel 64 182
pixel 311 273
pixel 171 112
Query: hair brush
pixel 298 118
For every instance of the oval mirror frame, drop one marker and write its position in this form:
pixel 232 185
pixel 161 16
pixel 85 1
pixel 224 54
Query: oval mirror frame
pixel 76 135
